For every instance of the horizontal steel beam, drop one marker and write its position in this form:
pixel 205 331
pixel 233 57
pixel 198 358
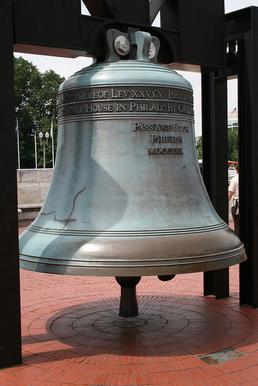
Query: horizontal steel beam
pixel 98 8
pixel 58 28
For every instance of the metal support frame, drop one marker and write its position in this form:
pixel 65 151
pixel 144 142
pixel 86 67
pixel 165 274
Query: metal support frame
pixel 242 28
pixel 58 28
pixel 248 160
pixel 214 136
pixel 195 47
pixel 10 335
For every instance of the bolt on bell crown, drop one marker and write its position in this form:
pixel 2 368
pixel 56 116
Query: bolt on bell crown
pixel 127 197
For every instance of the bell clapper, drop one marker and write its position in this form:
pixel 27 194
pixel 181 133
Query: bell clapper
pixel 128 301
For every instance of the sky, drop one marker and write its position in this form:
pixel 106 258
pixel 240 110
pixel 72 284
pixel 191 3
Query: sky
pixel 67 66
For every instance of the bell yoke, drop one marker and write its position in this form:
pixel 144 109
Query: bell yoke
pixel 127 198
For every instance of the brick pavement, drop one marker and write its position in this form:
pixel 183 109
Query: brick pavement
pixel 72 334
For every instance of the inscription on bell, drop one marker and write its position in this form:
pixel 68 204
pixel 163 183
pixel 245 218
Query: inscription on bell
pixel 165 151
pixel 165 102
pixel 153 126
pixel 165 139
pixel 161 133
pixel 125 100
pixel 126 92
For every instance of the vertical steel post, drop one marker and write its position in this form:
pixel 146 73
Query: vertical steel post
pixel 10 335
pixel 214 135
pixel 248 159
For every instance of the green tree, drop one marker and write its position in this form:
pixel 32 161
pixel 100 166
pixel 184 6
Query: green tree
pixel 233 145
pixel 35 103
pixel 199 147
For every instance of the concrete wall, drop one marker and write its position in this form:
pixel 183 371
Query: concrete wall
pixel 33 185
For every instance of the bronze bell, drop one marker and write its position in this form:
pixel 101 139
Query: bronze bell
pixel 127 197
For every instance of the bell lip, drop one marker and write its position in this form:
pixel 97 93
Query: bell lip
pixel 136 268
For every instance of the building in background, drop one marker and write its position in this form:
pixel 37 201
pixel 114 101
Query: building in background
pixel 233 120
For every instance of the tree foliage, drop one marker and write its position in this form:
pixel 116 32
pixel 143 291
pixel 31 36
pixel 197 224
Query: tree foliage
pixel 199 147
pixel 232 145
pixel 35 103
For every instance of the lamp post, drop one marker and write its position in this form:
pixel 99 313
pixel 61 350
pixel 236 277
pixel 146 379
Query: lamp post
pixel 35 130
pixel 35 149
pixel 43 141
pixel 52 141
pixel 18 143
